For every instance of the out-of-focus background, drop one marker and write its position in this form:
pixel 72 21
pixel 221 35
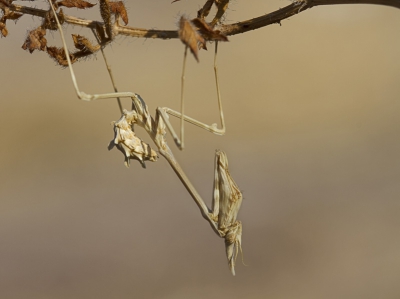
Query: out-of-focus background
pixel 312 110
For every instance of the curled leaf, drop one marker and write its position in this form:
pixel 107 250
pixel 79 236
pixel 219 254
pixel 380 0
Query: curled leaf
pixel 4 3
pixel 35 40
pixel 100 32
pixel 105 13
pixel 7 15
pixel 58 54
pixel 3 30
pixel 189 36
pixel 81 4
pixel 83 44
pixel 11 15
pixel 49 21
pixel 118 8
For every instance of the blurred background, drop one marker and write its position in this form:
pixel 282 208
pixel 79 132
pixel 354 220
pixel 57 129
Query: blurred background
pixel 312 111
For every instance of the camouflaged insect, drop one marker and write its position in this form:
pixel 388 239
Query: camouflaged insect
pixel 225 207
pixel 128 143
pixel 227 197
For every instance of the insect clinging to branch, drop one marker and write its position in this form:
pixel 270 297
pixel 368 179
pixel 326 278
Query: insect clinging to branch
pixel 227 197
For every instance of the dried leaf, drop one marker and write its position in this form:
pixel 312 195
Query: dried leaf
pixel 58 54
pixel 105 13
pixel 100 32
pixel 207 32
pixel 75 3
pixel 3 30
pixel 5 3
pixel 8 15
pixel 35 40
pixel 118 8
pixel 49 21
pixel 203 12
pixel 83 44
pixel 11 15
pixel 61 16
pixel 189 36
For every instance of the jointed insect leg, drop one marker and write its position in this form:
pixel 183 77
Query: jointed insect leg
pixel 213 128
pixel 82 95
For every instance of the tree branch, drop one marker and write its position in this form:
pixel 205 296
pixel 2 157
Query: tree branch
pixel 296 7
pixel 229 29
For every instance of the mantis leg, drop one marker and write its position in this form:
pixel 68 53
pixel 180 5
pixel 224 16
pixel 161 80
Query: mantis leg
pixel 213 128
pixel 82 95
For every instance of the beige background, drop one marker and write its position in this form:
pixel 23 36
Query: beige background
pixel 312 110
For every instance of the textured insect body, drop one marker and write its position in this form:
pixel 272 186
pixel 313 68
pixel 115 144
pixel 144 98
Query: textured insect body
pixel 225 207
pixel 128 143
pixel 227 197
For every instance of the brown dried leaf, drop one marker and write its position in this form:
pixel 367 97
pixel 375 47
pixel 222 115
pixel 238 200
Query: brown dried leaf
pixel 100 32
pixel 8 15
pixel 105 13
pixel 35 40
pixel 75 3
pixel 118 8
pixel 12 16
pixel 81 54
pixel 3 30
pixel 207 32
pixel 189 36
pixel 83 44
pixel 203 12
pixel 5 3
pixel 61 16
pixel 58 54
pixel 49 21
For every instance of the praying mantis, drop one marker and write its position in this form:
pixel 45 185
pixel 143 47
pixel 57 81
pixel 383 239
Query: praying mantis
pixel 227 197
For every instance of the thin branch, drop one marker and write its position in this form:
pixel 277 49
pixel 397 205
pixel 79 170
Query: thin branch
pixel 229 29
pixel 25 9
pixel 288 11
pixel 222 7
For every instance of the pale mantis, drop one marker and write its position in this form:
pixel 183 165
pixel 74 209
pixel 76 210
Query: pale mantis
pixel 227 197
